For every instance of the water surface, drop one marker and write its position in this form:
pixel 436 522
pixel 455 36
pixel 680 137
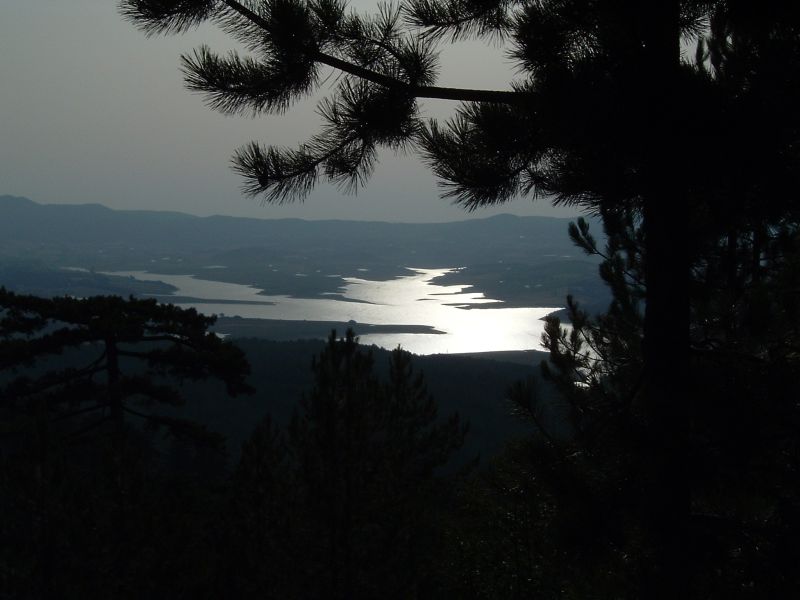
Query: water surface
pixel 415 299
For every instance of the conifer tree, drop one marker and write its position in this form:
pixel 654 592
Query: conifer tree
pixel 609 114
pixel 102 332
pixel 342 502
pixel 743 444
pixel 73 372
pixel 745 324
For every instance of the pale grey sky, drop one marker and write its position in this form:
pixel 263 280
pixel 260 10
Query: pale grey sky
pixel 93 111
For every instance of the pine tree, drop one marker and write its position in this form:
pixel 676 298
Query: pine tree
pixel 743 446
pixel 578 488
pixel 745 423
pixel 98 334
pixel 74 371
pixel 606 116
pixel 342 503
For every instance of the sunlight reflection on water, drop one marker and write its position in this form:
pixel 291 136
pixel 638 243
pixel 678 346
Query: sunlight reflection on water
pixel 410 300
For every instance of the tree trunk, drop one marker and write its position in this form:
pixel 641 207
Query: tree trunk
pixel 43 478
pixel 118 424
pixel 666 343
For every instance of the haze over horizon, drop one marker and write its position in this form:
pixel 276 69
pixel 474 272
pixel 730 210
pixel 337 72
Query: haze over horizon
pixel 92 111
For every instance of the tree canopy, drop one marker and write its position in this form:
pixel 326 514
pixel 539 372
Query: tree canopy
pixel 573 126
pixel 76 474
pixel 100 333
pixel 675 119
pixel 343 503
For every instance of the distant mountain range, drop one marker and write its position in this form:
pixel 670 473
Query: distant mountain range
pixel 522 260
pixel 26 222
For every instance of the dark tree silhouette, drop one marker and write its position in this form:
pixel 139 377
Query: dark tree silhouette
pixel 72 371
pixel 171 342
pixel 745 423
pixel 580 487
pixel 342 504
pixel 573 500
pixel 607 115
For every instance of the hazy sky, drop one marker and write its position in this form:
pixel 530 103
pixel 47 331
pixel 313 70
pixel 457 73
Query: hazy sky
pixel 93 111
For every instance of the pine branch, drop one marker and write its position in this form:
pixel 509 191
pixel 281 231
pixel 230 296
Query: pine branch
pixel 481 154
pixel 459 18
pixel 186 428
pixel 20 387
pixel 282 175
pixel 522 395
pixel 423 91
pixel 236 85
pixel 166 16
pixel 411 61
pixel 416 91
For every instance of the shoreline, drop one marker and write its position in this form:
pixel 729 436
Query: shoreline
pixel 282 330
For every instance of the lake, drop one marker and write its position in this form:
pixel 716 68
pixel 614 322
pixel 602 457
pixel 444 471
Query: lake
pixel 469 321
